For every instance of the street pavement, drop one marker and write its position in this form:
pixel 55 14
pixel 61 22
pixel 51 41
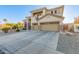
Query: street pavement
pixel 30 42
pixel 3 34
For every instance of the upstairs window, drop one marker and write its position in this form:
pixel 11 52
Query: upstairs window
pixel 51 12
pixel 38 13
pixel 55 11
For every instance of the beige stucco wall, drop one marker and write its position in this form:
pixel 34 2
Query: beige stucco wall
pixel 33 20
pixel 50 18
pixel 44 11
pixel 59 11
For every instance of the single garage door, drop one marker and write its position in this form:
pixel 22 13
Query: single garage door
pixel 35 26
pixel 51 26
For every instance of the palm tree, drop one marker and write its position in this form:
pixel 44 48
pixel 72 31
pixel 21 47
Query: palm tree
pixel 5 20
pixel 25 24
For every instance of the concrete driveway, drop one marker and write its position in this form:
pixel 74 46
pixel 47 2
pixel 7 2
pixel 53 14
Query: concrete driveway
pixel 30 42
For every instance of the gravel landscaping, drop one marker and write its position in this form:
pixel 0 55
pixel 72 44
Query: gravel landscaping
pixel 68 44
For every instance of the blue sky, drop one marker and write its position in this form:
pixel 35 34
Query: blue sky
pixel 15 13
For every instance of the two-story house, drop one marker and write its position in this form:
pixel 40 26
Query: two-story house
pixel 47 19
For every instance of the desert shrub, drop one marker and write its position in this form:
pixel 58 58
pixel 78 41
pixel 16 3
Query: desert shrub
pixel 24 28
pixel 5 29
pixel 17 30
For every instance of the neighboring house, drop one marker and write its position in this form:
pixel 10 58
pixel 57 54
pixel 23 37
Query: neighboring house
pixel 76 24
pixel 76 27
pixel 72 27
pixel 47 19
pixel 68 27
pixel 65 27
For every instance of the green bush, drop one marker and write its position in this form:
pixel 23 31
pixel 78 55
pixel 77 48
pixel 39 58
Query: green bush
pixel 5 29
pixel 24 29
pixel 17 30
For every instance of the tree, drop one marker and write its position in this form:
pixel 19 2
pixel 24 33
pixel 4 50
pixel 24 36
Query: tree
pixel 76 20
pixel 5 20
pixel 20 25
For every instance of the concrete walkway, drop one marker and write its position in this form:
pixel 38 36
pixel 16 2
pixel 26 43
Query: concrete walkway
pixel 30 42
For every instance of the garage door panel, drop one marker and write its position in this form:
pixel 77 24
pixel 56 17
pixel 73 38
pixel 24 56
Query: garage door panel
pixel 35 27
pixel 50 27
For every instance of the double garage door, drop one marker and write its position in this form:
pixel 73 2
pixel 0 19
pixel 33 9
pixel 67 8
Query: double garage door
pixel 50 26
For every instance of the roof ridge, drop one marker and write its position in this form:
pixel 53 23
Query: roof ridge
pixel 57 7
pixel 39 9
pixel 51 15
